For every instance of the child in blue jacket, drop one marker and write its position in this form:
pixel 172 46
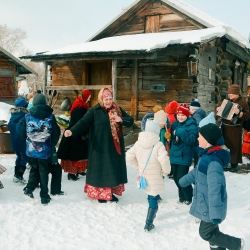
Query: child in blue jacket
pixel 184 133
pixel 210 195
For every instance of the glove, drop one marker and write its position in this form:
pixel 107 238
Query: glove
pixel 216 221
pixel 176 140
pixel 167 135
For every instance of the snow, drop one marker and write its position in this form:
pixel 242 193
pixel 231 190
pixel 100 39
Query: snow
pixel 73 221
pixel 4 111
pixel 151 41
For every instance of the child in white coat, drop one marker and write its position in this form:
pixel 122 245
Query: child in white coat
pixel 150 149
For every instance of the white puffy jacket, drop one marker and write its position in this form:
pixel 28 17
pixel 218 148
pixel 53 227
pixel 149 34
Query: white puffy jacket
pixel 158 165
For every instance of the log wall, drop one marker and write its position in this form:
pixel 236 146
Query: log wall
pixel 156 17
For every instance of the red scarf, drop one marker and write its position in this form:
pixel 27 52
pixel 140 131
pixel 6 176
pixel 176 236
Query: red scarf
pixel 80 101
pixel 116 128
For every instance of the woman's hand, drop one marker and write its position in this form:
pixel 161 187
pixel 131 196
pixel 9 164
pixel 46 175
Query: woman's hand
pixel 67 133
pixel 116 118
pixel 236 110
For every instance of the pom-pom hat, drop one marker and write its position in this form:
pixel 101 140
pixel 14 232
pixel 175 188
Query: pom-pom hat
pixel 39 99
pixel 161 117
pixel 183 109
pixel 152 126
pixel 171 107
pixel 195 105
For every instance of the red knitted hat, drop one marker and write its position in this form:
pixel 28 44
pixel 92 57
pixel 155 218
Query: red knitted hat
pixel 183 109
pixel 171 107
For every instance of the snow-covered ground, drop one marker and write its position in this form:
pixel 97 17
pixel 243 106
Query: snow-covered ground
pixel 75 222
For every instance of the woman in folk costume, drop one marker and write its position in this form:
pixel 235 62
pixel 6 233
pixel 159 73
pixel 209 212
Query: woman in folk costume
pixel 232 133
pixel 73 152
pixel 246 137
pixel 107 171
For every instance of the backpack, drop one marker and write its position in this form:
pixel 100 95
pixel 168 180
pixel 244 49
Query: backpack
pixel 38 141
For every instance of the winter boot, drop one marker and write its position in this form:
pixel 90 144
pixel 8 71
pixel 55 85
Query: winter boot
pixel 214 247
pixel 18 177
pixel 45 201
pixel 72 177
pixel 28 192
pixel 150 218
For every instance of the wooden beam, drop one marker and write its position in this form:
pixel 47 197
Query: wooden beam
pixel 114 79
pixel 45 78
pixel 78 87
pixel 235 50
pixel 134 97
pixel 80 57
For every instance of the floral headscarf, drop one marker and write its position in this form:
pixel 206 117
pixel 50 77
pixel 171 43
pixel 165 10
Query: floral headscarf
pixel 116 128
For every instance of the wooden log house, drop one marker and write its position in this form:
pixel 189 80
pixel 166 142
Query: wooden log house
pixel 11 70
pixel 140 79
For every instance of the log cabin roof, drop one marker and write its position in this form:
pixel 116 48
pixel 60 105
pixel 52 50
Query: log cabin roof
pixel 142 43
pixel 178 6
pixel 23 68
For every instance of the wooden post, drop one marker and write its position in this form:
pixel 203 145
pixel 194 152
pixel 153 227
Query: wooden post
pixel 134 96
pixel 114 79
pixel 45 78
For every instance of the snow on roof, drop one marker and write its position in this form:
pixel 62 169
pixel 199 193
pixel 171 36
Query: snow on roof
pixel 151 41
pixel 194 13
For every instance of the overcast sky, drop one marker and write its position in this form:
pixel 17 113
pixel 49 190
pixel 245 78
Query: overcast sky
pixel 51 24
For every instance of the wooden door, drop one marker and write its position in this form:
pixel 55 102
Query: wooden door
pixel 6 87
pixel 99 73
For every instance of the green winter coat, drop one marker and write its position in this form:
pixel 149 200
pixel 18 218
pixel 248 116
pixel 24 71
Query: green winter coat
pixel 106 168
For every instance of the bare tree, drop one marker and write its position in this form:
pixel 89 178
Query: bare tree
pixel 11 38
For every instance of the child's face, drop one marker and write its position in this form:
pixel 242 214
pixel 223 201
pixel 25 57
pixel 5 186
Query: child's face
pixel 181 117
pixel 202 142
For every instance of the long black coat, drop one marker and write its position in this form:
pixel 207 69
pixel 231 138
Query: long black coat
pixel 74 148
pixel 106 168
pixel 232 133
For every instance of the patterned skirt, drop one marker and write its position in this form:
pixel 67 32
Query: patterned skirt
pixel 246 144
pixel 74 167
pixel 2 169
pixel 103 193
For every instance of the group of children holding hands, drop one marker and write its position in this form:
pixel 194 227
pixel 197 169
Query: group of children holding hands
pixel 204 187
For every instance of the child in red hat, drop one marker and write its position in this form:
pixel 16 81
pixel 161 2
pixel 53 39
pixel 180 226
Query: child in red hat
pixel 184 133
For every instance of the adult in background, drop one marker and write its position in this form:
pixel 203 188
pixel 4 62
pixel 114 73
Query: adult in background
pixel 17 143
pixel 73 151
pixel 232 133
pixel 107 171
pixel 246 137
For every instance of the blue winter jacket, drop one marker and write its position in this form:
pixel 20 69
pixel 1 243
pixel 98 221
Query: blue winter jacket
pixel 209 194
pixel 199 114
pixel 183 140
pixel 17 114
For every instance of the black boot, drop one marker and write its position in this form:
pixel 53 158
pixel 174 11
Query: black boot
pixel 72 177
pixel 150 218
pixel 214 247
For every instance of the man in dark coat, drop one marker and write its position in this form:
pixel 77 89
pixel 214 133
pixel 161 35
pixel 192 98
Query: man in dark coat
pixel 17 143
pixel 106 159
pixel 232 133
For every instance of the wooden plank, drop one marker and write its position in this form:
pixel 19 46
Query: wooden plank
pixel 78 87
pixel 6 72
pixel 45 77
pixel 96 56
pixel 158 64
pixel 237 51
pixel 124 84
pixel 114 79
pixel 134 96
pixel 152 24
pixel 172 29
